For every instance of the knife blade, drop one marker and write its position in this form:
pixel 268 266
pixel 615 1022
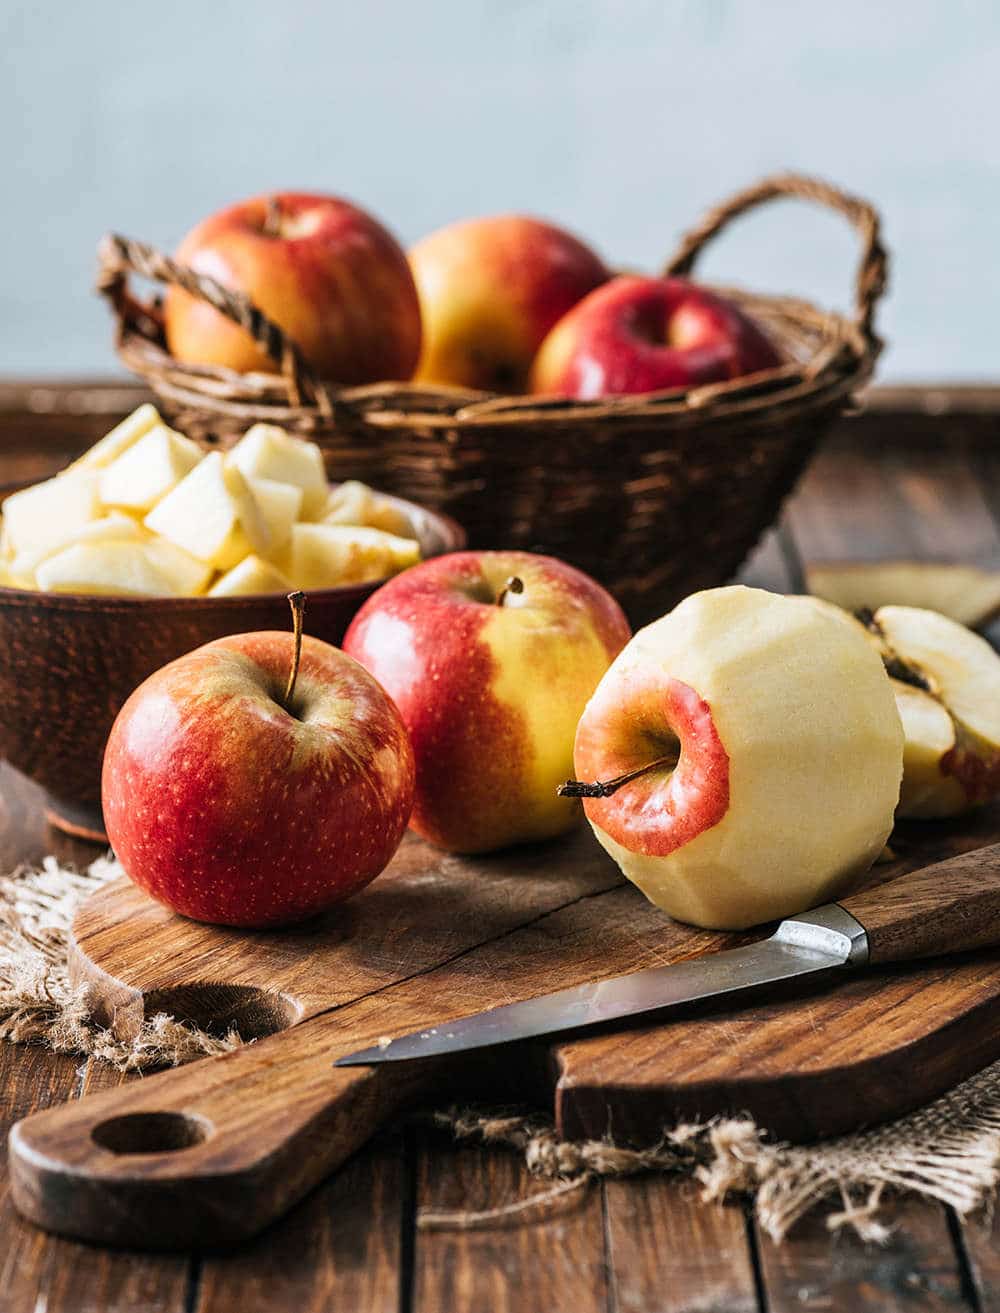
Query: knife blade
pixel 825 939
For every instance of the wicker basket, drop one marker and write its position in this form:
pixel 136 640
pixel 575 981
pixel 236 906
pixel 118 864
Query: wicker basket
pixel 654 495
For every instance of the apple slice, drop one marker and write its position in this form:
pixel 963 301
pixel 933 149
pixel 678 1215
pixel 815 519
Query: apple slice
pixel 45 513
pixel 963 592
pixel 325 555
pixel 268 452
pixel 122 568
pixel 741 758
pixel 960 673
pixel 252 576
pixel 113 527
pixel 118 441
pixel 213 515
pixel 148 470
pixel 280 505
pixel 354 502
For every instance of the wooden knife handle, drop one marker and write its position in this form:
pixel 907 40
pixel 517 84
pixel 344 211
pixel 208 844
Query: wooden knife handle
pixel 206 1154
pixel 951 907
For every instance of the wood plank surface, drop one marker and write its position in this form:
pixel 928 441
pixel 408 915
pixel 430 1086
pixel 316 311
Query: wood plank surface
pixel 552 1259
pixel 915 1269
pixel 669 1252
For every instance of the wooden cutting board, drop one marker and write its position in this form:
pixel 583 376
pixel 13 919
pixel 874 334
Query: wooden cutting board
pixel 210 1153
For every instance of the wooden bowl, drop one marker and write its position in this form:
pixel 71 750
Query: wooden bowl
pixel 68 661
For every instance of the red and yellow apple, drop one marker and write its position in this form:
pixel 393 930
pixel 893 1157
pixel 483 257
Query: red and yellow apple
pixel 238 806
pixel 636 335
pixel 749 754
pixel 490 657
pixel 325 271
pixel 490 290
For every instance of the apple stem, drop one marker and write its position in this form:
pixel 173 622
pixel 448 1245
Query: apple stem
pixel 513 585
pixel 297 601
pixel 272 217
pixel 605 788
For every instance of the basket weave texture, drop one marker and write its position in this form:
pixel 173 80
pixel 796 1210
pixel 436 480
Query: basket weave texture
pixel 654 495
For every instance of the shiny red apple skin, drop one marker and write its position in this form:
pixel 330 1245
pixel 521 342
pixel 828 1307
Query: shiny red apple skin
pixel 229 809
pixel 632 722
pixel 637 335
pixel 491 694
pixel 490 290
pixel 331 276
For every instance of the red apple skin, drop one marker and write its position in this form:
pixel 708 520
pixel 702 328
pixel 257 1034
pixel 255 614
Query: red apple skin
pixel 490 290
pixel 231 810
pixel 490 694
pixel 630 723
pixel 636 335
pixel 331 276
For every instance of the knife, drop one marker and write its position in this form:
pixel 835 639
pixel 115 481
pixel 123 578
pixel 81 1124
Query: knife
pixel 926 913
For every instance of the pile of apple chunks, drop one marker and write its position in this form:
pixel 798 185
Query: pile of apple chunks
pixel 147 513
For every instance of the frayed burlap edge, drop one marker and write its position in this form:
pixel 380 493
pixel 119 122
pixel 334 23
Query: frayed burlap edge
pixel 949 1150
pixel 37 1003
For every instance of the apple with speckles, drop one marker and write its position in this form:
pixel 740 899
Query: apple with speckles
pixel 322 269
pixel 741 759
pixel 241 794
pixel 490 289
pixel 637 335
pixel 490 657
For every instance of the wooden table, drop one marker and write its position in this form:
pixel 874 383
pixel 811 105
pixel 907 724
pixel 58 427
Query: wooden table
pixel 917 476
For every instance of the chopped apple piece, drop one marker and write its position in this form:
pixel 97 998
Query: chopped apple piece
pixel 963 592
pixel 213 515
pixel 46 512
pixel 280 504
pixel 189 576
pixel 118 441
pixel 144 474
pixel 252 575
pixel 268 452
pixel 113 527
pixel 926 792
pixel 114 568
pixel 348 503
pixel 325 555
pixel 355 503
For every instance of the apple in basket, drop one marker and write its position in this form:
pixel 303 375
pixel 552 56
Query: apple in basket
pixel 636 335
pixel 326 272
pixel 490 657
pixel 490 289
pixel 257 780
pixel 741 758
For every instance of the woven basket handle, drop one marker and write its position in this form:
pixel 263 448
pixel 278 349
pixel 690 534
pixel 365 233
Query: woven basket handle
pixel 119 256
pixel 872 272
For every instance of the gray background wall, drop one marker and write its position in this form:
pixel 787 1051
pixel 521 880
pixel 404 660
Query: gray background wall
pixel 620 118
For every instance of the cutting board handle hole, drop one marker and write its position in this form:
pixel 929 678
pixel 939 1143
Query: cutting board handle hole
pixel 151 1132
pixel 219 1008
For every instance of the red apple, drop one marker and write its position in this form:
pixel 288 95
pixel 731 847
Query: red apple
pixel 232 809
pixel 325 271
pixel 490 657
pixel 639 335
pixel 490 290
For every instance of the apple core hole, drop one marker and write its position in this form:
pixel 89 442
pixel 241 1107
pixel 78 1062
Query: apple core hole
pixel 663 744
pixel 151 1132
pixel 218 1009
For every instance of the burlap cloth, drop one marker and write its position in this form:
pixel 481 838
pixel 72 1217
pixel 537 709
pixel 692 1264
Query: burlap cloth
pixel 948 1150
